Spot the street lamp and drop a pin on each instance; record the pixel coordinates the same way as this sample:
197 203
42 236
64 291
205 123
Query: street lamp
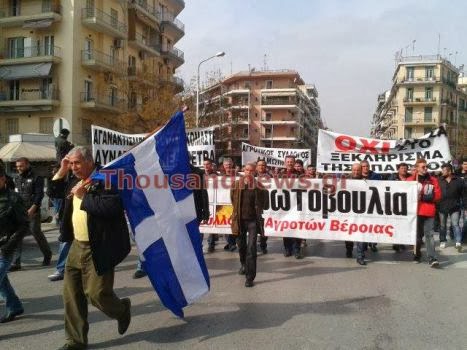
219 54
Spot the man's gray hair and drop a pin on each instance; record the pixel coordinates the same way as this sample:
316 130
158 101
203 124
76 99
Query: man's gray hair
84 151
252 164
227 160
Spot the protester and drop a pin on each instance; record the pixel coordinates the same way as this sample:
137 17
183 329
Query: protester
13 227
298 166
291 245
401 175
94 221
10 184
452 188
209 170
31 189
429 193
228 169
310 172
62 145
361 246
463 176
368 174
247 197
262 172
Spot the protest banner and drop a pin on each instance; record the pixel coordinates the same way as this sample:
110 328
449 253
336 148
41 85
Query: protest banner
200 145
331 209
274 157
108 144
337 152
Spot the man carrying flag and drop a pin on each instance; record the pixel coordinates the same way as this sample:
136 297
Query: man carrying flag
163 218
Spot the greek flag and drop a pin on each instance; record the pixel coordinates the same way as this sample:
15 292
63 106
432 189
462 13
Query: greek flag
163 218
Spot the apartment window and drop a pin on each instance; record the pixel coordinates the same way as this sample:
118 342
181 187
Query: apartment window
408 114
408 133
88 44
429 73
409 94
49 45
268 116
267 131
428 114
46 125
46 88
15 8
268 84
410 73
12 126
47 5
13 90
113 96
16 47
247 85
113 54
88 91
114 17
245 133
429 94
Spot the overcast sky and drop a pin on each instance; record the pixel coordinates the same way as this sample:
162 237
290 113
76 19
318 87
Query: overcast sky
345 47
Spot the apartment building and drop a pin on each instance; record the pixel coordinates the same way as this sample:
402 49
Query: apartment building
427 91
264 108
85 61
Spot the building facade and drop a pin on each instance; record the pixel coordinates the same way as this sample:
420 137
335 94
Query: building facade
427 91
86 61
263 108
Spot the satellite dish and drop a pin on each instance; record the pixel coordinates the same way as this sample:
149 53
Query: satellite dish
59 124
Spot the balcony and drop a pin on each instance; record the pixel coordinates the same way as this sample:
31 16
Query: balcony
34 54
103 102
178 83
279 103
102 22
419 121
100 62
178 5
270 137
237 92
278 92
417 101
286 121
29 100
175 55
32 14
172 26
145 12
151 47
141 76
419 80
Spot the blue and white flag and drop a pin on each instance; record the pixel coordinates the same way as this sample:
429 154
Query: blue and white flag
163 218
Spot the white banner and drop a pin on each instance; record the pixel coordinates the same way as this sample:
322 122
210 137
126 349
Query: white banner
274 157
337 152
109 144
200 145
332 209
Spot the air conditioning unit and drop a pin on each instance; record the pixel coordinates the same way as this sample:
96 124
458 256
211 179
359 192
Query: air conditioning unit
118 43
142 55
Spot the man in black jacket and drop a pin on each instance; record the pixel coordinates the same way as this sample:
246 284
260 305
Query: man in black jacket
30 187
94 221
62 145
13 226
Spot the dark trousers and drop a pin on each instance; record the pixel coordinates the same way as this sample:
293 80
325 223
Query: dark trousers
246 242
263 242
82 284
35 230
361 247
292 245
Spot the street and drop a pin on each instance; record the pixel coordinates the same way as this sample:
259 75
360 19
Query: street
324 301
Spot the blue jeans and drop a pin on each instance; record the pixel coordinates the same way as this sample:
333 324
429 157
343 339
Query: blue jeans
62 255
443 218
12 302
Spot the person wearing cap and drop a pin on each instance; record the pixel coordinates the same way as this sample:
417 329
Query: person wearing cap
62 145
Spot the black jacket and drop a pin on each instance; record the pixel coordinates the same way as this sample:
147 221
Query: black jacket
14 223
451 194
108 231
200 196
30 187
62 147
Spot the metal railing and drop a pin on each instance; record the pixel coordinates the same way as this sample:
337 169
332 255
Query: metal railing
108 99
30 95
420 99
144 40
422 120
420 79
151 10
90 12
169 17
100 58
33 51
278 101
28 9
428 59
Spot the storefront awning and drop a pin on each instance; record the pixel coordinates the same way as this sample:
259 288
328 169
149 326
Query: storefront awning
25 71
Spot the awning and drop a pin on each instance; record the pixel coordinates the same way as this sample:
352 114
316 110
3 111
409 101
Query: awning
25 71
43 23
35 152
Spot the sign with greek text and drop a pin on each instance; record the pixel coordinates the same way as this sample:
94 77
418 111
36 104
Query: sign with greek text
337 152
329 208
200 145
274 157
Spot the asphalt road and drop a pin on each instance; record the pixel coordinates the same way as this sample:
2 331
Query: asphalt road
324 301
